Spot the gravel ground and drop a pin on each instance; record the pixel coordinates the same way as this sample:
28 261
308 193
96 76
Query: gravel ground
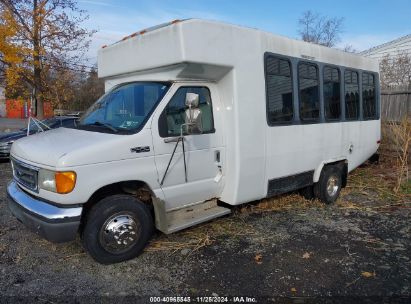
286 247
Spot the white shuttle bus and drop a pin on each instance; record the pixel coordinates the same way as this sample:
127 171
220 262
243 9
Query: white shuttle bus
197 116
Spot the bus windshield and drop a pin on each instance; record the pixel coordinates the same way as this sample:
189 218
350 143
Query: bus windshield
125 109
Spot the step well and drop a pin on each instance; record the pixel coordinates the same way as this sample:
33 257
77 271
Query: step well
172 220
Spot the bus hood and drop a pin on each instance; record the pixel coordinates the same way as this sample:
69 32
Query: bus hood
64 147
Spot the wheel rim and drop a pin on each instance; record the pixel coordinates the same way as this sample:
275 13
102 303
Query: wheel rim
119 233
332 185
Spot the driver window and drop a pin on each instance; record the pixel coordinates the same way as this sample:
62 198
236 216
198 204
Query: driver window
173 116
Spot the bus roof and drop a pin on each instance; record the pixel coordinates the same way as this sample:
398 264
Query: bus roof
212 43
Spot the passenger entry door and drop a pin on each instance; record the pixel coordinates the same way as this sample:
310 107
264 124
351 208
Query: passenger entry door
204 152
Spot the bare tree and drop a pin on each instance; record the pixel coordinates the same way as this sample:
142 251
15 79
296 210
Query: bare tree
43 35
349 49
395 70
319 29
89 91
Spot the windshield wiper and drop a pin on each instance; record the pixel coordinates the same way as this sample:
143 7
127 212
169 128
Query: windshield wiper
104 124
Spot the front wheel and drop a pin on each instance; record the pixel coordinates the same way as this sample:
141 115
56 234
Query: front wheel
328 187
117 229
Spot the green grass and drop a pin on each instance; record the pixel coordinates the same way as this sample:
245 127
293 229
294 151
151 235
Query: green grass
406 188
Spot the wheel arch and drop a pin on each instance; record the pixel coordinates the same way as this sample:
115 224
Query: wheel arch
137 188
342 163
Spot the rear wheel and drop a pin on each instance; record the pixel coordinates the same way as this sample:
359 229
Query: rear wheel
328 187
117 229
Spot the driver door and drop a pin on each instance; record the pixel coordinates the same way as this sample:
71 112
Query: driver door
204 152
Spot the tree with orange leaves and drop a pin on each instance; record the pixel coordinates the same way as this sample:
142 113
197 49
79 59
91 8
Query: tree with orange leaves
39 38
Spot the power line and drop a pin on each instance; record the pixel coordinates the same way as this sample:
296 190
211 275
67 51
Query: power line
68 66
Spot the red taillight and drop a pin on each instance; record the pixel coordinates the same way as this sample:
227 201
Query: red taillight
379 141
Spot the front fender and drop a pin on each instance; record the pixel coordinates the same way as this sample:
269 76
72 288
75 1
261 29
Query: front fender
93 177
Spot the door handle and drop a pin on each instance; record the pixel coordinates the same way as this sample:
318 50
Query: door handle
171 139
217 156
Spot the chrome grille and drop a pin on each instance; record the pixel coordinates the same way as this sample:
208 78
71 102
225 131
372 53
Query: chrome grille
25 174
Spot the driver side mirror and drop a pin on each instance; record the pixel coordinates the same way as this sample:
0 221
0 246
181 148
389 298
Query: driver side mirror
192 100
193 114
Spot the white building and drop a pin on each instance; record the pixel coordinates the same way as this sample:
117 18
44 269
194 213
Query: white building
395 47
396 104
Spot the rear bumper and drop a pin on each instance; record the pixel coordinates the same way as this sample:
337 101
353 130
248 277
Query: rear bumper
53 223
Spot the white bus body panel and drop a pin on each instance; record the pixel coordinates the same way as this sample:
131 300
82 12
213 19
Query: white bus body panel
233 57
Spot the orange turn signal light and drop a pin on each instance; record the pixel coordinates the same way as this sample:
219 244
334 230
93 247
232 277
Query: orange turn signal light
65 181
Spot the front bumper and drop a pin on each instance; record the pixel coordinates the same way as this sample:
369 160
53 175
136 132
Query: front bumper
56 224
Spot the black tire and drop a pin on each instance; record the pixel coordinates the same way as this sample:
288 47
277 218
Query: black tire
307 192
329 174
123 214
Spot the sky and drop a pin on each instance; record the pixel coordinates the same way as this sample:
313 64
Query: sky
367 23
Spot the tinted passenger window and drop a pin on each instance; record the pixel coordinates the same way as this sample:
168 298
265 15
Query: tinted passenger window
368 96
309 92
279 90
174 115
352 96
332 104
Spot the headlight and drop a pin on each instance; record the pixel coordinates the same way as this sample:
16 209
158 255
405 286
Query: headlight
59 182
47 180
